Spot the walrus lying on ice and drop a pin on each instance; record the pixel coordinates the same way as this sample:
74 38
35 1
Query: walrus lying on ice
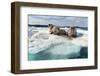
71 32
56 30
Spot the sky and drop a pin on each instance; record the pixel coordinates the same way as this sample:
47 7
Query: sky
58 20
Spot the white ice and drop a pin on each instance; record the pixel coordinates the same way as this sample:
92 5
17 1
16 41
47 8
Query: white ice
41 40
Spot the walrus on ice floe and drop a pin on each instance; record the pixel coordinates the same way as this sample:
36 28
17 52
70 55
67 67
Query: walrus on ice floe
56 30
72 32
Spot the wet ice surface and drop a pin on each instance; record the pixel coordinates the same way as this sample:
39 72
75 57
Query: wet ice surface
44 46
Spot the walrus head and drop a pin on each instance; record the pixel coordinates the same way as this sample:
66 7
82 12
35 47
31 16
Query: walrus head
50 26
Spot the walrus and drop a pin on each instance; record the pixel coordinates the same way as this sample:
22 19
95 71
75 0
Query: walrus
56 30
72 33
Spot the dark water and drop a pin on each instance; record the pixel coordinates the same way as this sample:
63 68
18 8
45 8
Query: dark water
83 28
44 55
83 53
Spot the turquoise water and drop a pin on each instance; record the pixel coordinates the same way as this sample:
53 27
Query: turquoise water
62 51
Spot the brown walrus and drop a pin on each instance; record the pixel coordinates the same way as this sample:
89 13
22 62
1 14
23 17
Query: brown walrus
72 33
56 30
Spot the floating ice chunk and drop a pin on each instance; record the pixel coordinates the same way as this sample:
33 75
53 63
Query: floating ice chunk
42 40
